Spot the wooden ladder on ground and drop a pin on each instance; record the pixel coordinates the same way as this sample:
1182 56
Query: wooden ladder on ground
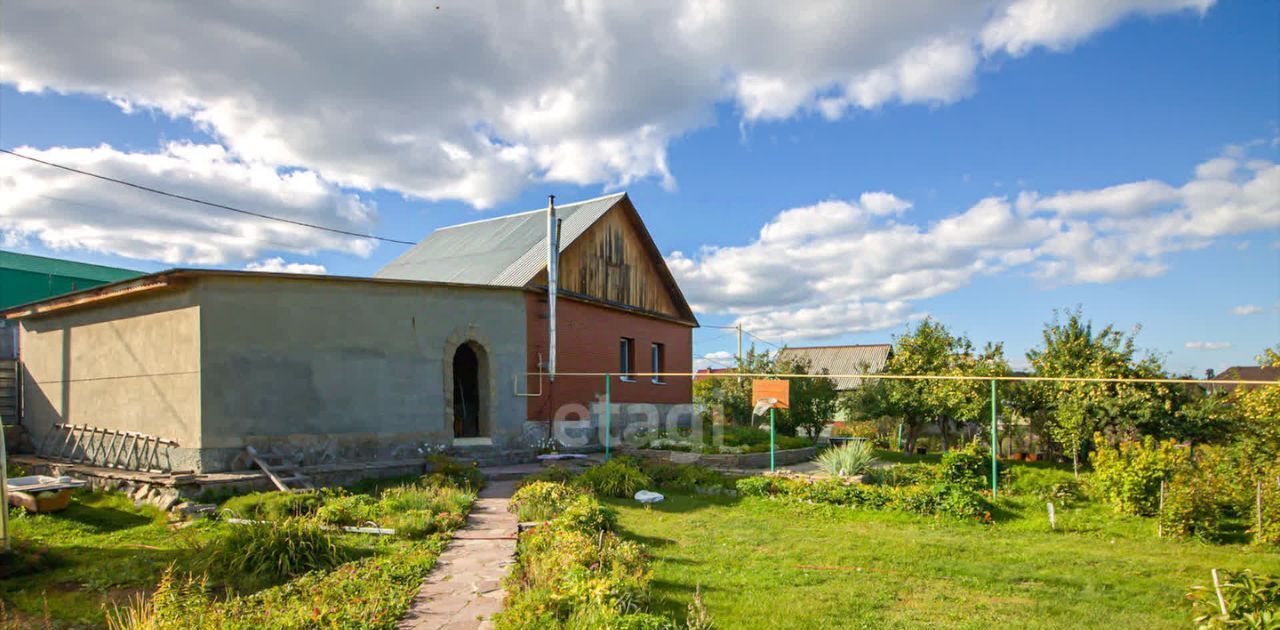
108 448
280 472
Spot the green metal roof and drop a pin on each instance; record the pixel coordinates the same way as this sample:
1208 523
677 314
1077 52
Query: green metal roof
64 268
25 278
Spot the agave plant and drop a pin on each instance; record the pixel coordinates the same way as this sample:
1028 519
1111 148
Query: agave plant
850 459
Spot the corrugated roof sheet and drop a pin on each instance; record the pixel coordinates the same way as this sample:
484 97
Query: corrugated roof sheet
65 268
502 251
860 359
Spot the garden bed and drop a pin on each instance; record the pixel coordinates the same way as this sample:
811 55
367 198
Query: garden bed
785 457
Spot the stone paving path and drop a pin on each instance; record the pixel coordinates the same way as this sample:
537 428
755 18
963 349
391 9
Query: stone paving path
464 589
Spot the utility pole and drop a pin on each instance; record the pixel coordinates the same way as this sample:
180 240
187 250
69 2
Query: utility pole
739 327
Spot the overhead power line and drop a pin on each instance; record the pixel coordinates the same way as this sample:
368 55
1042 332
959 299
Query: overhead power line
207 203
762 340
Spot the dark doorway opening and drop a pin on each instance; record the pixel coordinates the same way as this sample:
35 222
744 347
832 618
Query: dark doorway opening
466 392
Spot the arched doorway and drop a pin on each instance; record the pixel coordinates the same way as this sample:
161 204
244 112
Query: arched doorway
467 403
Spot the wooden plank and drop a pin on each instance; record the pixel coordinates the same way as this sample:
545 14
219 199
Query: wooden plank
280 485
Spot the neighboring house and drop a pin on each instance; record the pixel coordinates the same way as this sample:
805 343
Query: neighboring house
25 278
1243 373
855 359
852 359
708 373
444 346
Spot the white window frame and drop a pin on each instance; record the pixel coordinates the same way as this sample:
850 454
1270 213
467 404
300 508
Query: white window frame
626 358
657 357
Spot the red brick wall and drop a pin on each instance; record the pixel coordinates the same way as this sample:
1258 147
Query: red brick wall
587 339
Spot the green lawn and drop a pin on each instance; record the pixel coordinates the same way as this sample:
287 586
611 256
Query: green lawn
767 564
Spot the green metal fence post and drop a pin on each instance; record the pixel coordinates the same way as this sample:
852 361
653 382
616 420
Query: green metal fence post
608 415
995 443
772 467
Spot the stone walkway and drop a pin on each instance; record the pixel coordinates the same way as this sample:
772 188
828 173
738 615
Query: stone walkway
464 590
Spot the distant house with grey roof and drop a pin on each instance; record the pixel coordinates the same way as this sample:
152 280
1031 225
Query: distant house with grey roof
850 359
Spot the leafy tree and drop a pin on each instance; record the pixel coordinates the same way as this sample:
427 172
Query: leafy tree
1258 413
1072 348
929 349
813 400
731 396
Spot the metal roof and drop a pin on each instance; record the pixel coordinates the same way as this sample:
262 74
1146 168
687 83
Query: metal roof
859 359
502 251
64 268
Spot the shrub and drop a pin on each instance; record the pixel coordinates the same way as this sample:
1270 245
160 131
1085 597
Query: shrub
944 499
850 459
1046 484
274 506
271 553
757 486
683 477
542 500
1129 475
1189 510
614 478
443 467
1253 601
348 509
967 466
902 474
1270 531
586 514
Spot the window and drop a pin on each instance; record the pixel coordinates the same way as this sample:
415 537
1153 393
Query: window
627 358
657 356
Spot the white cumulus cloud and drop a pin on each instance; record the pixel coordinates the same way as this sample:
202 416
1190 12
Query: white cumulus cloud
1207 345
474 100
277 264
1246 309
843 266
66 210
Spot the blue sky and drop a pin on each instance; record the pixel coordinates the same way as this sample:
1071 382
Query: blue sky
1015 112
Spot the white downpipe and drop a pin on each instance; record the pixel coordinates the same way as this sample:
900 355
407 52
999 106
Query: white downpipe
553 279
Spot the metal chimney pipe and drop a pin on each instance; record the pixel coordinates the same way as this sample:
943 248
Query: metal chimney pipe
553 279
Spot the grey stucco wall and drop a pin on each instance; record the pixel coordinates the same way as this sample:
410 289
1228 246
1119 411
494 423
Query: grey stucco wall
127 365
330 370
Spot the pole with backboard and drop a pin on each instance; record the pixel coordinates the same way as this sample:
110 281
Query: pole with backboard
771 394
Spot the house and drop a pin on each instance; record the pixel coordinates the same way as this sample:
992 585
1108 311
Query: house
854 359
1243 373
447 345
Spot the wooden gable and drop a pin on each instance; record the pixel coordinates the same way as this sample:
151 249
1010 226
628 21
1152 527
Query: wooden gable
616 262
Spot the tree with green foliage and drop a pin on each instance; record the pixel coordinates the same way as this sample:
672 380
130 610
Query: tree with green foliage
813 400
731 396
1257 412
930 349
1078 410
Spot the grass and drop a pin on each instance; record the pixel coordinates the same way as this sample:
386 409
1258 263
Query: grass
762 564
105 552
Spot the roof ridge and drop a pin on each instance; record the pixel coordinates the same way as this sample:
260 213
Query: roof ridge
524 212
832 347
